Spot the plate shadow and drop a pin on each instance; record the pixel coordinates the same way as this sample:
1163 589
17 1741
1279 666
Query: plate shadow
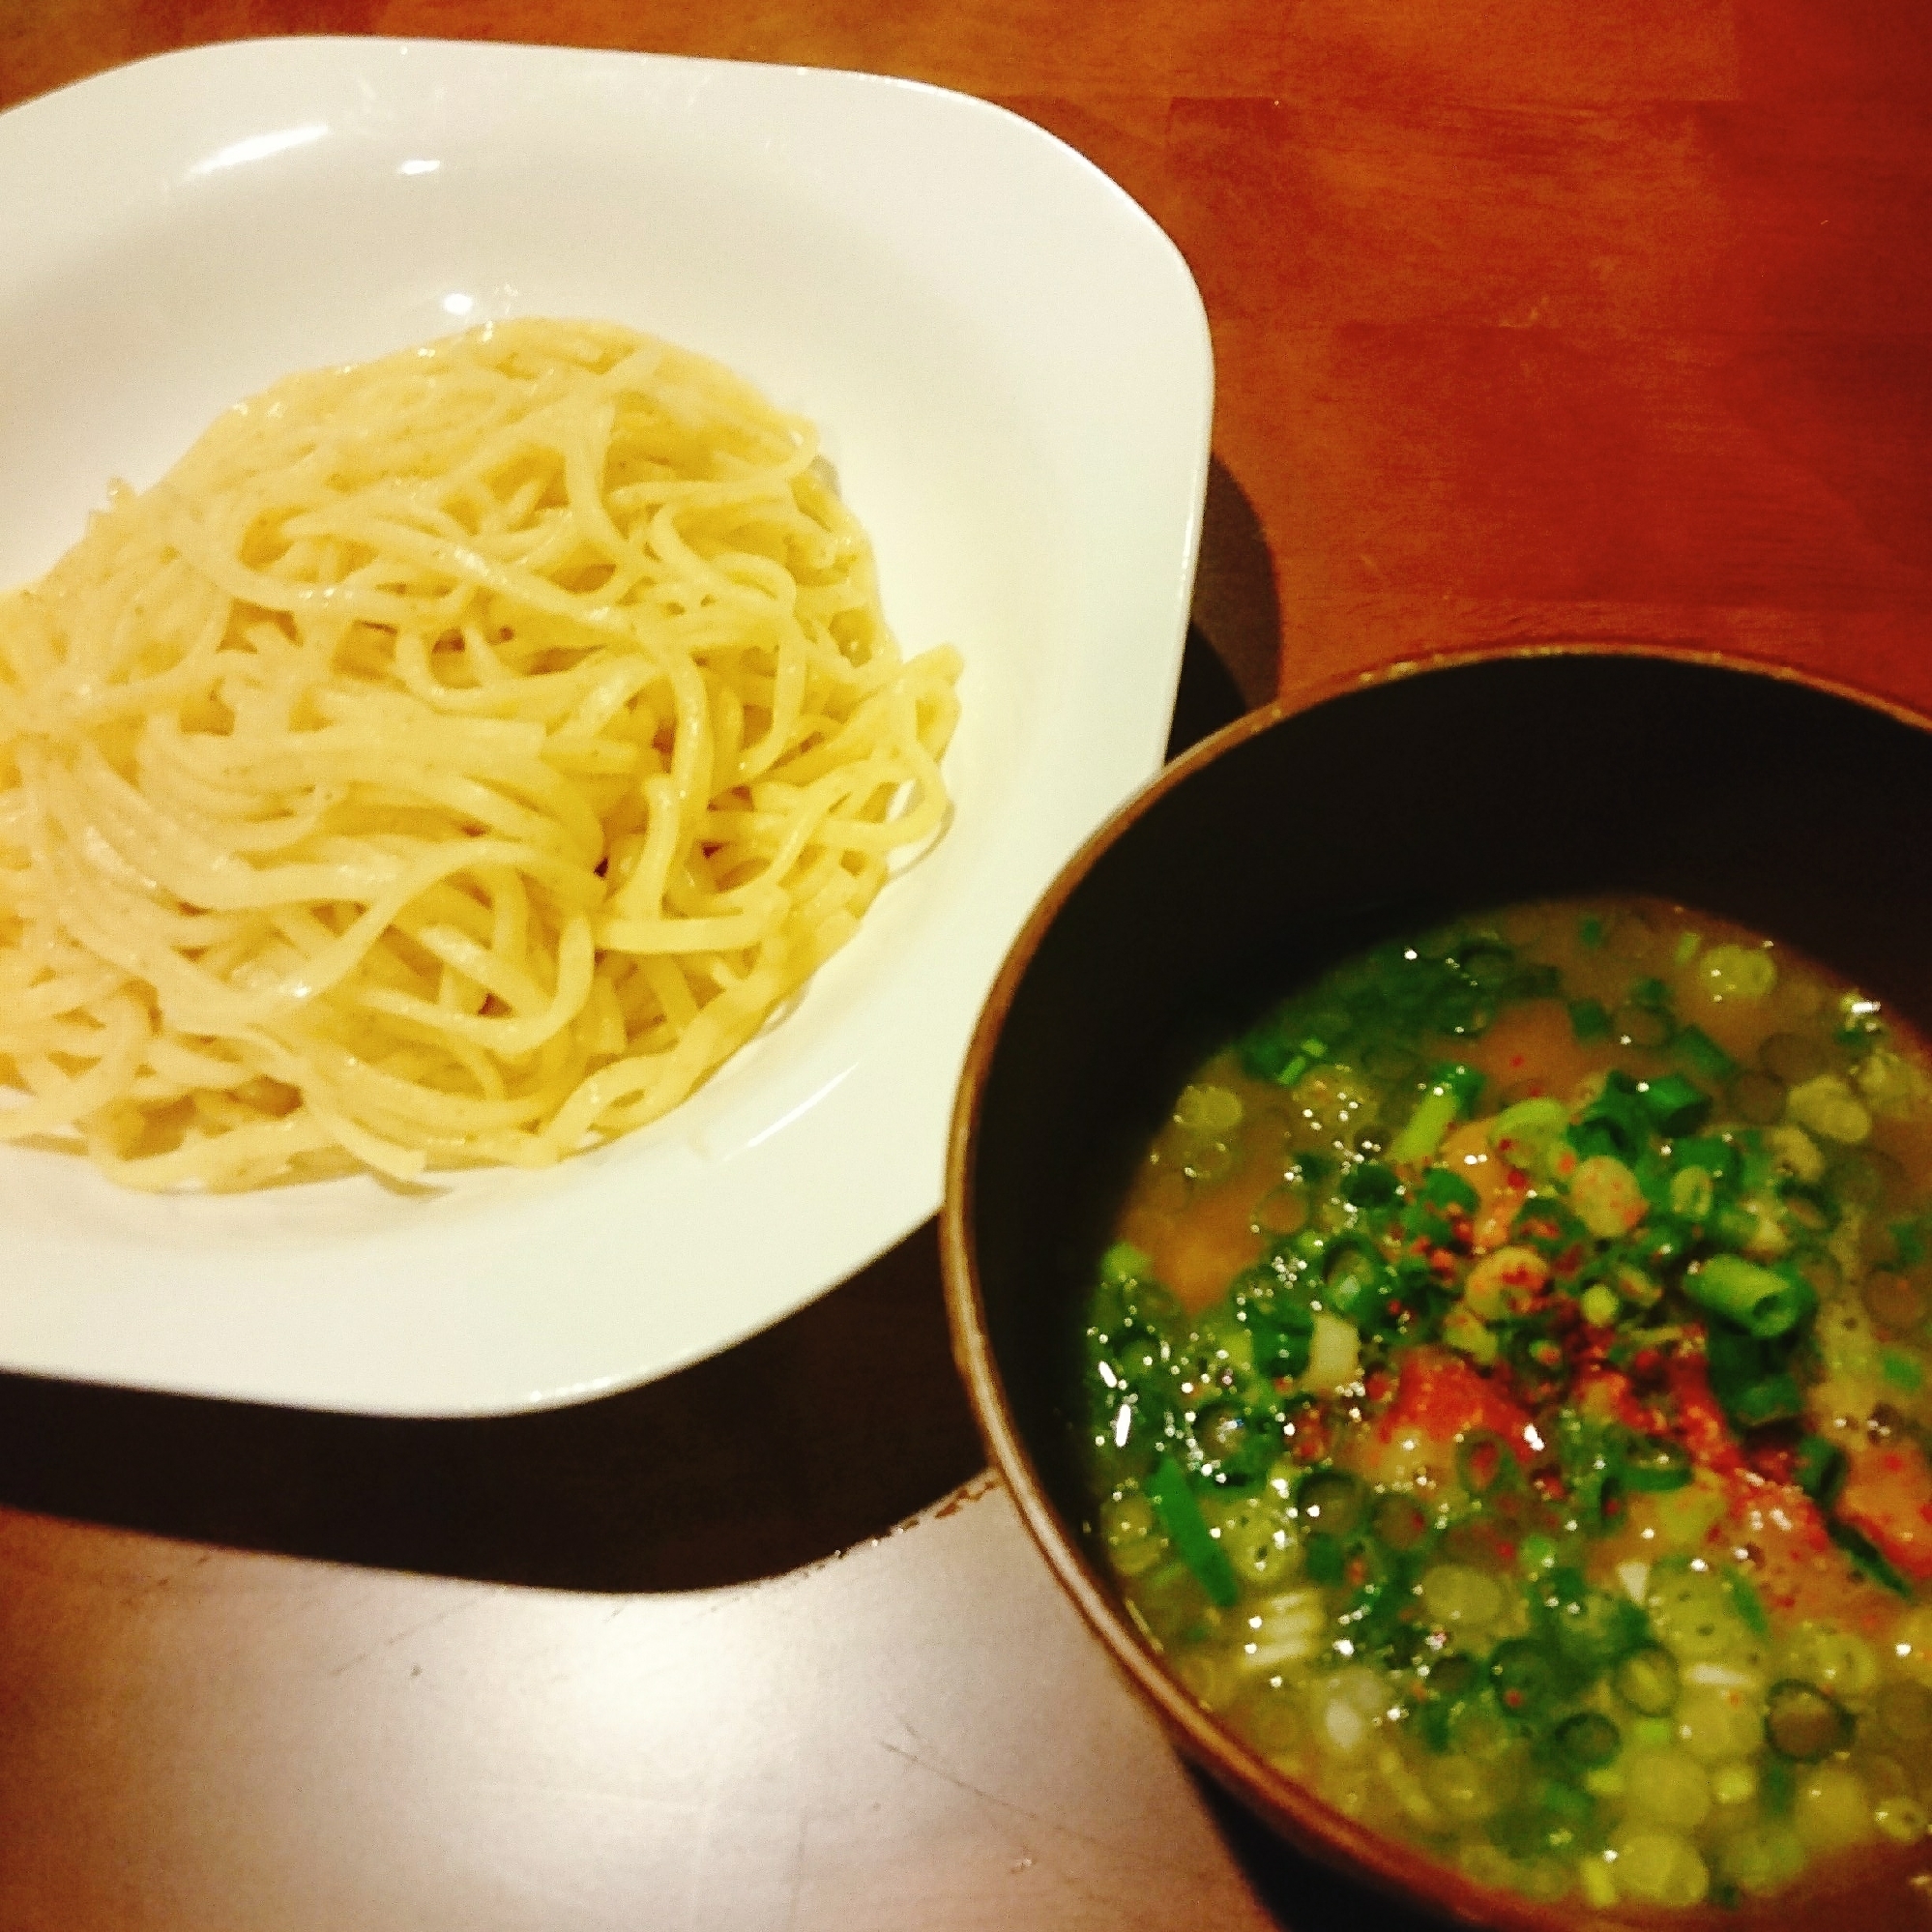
825 1429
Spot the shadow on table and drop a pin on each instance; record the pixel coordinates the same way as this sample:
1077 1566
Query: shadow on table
829 1429
1234 605
804 1440
1300 1891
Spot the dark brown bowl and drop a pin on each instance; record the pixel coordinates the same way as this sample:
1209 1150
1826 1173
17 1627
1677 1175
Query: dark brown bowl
1289 839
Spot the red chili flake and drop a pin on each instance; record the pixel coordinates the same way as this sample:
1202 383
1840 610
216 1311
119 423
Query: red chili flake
1513 1699
1701 1424
1485 1462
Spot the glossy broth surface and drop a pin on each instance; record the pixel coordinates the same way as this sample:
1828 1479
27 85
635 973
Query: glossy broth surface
1507 1403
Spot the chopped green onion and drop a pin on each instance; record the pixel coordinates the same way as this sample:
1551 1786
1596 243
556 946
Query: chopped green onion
1525 1675
1535 1553
1522 1134
1465 1082
1537 1119
1283 1337
1435 1114
1908 1239
1399 1521
1323 1557
1648 1681
1370 1186
1589 1740
1701 1054
1656 1465
1773 1398
1613 1122
1660 1244
1485 1461
1556 1822
1332 1500
1901 1369
1803 1724
1123 1263
1188 1530
1356 1280
1867 1559
1600 1305
1821 1468
1676 1104
1693 1193
1730 1224
1592 1627
1739 972
1444 1187
1762 1303
1749 1604
1589 1021
1714 1155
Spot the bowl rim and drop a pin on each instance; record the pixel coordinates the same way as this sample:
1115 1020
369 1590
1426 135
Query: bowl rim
1313 1825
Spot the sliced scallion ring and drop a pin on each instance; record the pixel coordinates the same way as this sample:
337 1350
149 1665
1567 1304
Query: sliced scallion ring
1656 1465
1803 1723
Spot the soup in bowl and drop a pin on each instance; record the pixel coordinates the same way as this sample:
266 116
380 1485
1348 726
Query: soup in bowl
1440 1238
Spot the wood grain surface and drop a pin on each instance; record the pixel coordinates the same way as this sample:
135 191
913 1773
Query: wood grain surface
1606 321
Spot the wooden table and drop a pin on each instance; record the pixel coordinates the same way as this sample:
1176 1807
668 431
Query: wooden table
1607 321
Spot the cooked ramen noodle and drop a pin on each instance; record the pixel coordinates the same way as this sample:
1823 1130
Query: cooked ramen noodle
452 760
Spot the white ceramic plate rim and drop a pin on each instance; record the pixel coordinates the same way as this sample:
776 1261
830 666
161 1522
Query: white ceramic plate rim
838 226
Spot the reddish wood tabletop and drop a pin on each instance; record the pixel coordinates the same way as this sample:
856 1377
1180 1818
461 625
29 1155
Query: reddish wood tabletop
1607 321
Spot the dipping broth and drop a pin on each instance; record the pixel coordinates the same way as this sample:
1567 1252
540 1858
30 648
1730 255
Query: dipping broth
1507 1403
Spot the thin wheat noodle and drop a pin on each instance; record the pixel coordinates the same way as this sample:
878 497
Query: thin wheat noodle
452 760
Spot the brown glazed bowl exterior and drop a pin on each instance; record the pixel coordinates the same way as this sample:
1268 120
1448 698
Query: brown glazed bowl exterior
1288 839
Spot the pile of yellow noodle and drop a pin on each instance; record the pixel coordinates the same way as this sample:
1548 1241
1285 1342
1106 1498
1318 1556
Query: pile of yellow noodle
452 760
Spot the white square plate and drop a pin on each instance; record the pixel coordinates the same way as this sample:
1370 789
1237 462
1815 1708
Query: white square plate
1011 366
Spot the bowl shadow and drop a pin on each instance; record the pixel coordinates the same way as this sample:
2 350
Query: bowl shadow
1295 1889
779 1452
